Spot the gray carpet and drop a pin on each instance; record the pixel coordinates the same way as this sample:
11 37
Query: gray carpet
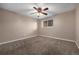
39 46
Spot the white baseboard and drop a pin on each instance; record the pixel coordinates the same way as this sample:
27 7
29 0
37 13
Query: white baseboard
17 39
62 39
58 38
77 44
39 35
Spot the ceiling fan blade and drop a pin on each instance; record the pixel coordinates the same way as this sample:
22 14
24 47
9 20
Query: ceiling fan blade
45 9
35 8
44 13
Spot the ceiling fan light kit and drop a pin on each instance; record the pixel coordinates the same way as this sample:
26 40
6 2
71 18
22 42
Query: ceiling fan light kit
40 11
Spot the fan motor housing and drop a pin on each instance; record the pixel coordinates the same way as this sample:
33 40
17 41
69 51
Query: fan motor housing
39 10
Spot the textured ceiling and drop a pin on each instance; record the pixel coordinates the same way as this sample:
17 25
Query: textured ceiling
27 8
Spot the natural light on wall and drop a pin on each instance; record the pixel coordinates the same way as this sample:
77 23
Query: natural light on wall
35 26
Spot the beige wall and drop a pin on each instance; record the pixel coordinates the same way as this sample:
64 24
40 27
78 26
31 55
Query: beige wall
63 27
14 26
77 26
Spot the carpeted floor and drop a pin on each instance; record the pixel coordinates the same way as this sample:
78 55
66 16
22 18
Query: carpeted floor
39 46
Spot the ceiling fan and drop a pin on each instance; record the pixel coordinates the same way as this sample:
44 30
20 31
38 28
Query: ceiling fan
41 11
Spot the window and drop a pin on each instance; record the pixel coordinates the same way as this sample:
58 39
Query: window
48 23
45 23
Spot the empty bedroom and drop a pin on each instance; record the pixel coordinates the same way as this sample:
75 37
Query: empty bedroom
39 29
